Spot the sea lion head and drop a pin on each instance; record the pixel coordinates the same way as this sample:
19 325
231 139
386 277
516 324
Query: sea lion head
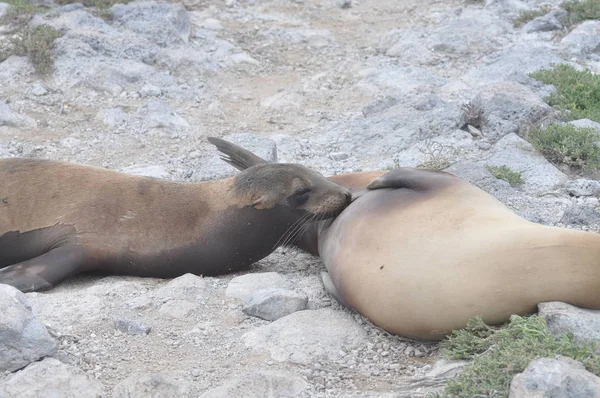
293 188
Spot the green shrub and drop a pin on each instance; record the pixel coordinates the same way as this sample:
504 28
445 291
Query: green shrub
577 92
580 10
568 144
498 354
20 11
36 43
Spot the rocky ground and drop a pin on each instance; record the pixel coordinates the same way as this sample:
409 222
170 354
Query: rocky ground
337 85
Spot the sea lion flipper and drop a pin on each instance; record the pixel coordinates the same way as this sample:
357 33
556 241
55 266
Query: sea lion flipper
235 155
45 271
410 178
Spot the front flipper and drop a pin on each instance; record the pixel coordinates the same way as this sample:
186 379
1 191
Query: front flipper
412 178
45 271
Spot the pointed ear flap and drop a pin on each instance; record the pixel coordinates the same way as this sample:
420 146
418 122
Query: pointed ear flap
265 201
259 203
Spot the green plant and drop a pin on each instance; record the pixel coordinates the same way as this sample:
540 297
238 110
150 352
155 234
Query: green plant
95 3
498 354
514 178
577 92
20 11
525 16
36 43
568 144
580 10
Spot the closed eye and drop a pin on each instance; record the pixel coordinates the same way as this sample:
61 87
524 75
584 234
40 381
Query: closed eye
301 196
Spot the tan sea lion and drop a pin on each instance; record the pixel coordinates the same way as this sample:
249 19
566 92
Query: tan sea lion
420 252
59 219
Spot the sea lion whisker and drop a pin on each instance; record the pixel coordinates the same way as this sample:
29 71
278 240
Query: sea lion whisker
287 231
300 230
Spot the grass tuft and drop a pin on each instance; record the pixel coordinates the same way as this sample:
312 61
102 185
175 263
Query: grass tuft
498 354
505 173
575 146
526 16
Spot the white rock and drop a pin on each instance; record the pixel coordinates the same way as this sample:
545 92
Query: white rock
111 117
177 308
186 287
51 378
308 336
259 384
241 287
149 385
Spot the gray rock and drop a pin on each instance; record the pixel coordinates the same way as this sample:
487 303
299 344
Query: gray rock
343 4
150 90
51 378
583 187
478 175
259 384
379 105
407 45
15 70
585 123
186 287
467 35
177 309
539 176
23 339
243 286
272 304
562 318
155 171
555 377
581 215
161 22
38 89
551 21
525 59
149 385
157 113
583 40
308 336
133 327
506 107
12 119
112 117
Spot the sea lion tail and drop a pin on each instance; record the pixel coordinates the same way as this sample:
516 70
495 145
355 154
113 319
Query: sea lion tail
235 155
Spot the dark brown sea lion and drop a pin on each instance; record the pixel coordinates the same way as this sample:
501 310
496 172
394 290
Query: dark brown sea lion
59 219
420 252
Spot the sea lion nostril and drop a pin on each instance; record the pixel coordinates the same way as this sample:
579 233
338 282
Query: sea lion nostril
348 197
